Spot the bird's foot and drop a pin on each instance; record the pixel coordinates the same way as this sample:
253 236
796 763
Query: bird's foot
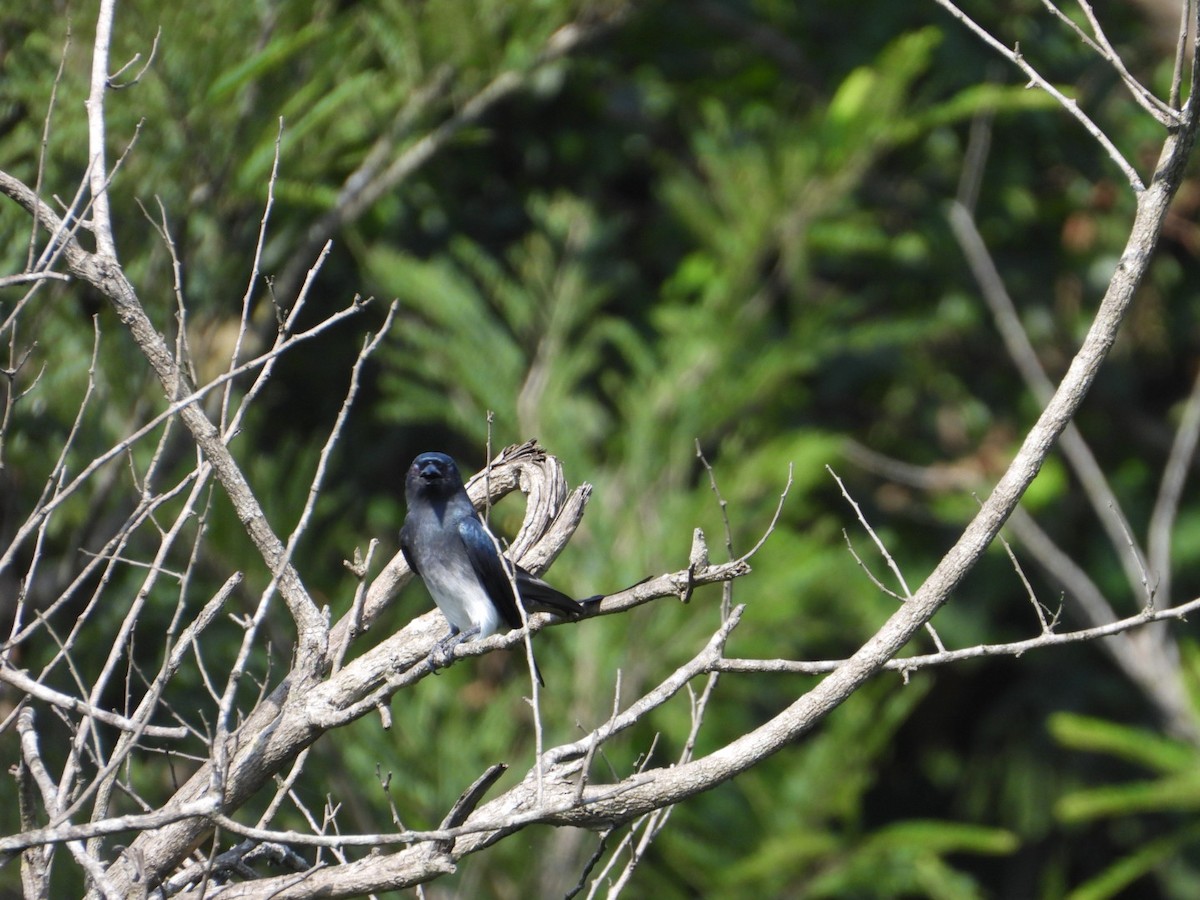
442 653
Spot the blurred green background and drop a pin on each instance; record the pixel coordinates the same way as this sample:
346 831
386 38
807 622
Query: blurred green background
714 223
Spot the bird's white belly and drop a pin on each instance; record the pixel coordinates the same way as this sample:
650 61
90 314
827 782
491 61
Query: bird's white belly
462 600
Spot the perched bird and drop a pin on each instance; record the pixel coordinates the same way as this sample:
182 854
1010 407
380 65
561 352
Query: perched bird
447 544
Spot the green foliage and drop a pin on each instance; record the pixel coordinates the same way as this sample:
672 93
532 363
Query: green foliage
535 318
1172 793
1135 745
799 829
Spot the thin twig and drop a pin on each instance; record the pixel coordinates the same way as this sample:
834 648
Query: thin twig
360 569
134 60
1101 46
1170 492
252 280
1181 48
1035 79
60 496
1038 609
883 550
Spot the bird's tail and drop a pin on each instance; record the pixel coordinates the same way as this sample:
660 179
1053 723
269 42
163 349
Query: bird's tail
541 597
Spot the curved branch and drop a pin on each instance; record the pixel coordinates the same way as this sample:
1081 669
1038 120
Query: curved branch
552 513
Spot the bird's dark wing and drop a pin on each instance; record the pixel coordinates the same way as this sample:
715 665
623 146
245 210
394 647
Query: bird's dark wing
406 546
485 560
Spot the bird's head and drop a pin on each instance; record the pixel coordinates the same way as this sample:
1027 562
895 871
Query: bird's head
432 475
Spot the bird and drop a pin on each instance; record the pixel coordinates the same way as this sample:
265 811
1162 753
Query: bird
446 543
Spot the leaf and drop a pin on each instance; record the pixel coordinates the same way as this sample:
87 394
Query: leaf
272 56
1165 794
941 837
1141 862
1136 745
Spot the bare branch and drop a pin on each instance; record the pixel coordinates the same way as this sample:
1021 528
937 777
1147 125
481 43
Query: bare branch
1186 12
62 833
31 758
97 169
22 682
1170 491
1149 662
27 277
1020 350
252 281
927 660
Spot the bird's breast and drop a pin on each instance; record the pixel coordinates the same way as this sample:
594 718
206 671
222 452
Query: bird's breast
461 597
